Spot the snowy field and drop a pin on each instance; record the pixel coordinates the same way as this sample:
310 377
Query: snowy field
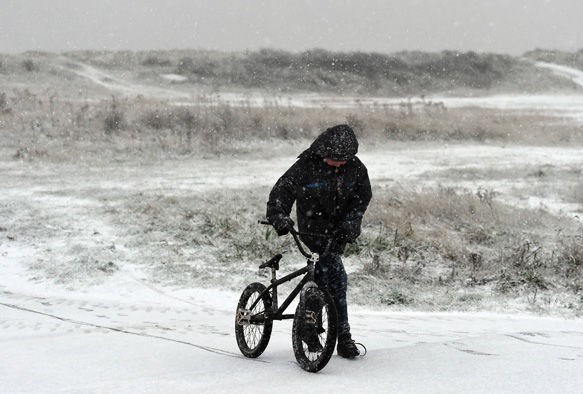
169 88
129 337
124 329
131 332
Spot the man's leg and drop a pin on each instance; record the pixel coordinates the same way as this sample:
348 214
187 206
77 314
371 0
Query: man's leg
330 273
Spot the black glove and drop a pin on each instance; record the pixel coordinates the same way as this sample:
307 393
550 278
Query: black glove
347 232
283 225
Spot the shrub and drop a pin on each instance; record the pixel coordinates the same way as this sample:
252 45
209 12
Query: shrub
525 266
569 261
114 118
156 61
3 102
157 119
185 65
396 297
29 65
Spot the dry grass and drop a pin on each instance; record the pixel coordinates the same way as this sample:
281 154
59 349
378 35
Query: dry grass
67 130
430 250
446 239
440 249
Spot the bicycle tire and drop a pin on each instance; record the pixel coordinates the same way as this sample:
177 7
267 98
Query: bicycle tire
328 318
252 338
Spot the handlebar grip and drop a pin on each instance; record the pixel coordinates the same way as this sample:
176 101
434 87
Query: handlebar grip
292 230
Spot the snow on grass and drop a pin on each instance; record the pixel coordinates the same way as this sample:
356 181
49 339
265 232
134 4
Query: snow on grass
174 77
123 276
192 222
570 106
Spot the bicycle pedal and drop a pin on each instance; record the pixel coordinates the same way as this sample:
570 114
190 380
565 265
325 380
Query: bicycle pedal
243 317
311 317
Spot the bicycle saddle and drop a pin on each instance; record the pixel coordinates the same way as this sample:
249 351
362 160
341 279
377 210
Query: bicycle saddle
272 262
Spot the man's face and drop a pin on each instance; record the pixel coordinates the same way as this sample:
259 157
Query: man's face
335 163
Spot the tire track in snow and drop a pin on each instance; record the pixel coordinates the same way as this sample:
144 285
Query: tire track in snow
542 343
124 331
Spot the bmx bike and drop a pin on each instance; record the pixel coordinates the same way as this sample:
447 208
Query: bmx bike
314 321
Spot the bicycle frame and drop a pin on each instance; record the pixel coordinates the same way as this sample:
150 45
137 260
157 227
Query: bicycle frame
277 312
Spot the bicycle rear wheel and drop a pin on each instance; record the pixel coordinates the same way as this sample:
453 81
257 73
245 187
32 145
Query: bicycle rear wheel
314 328
252 327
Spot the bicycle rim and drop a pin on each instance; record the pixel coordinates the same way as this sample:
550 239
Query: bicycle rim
252 337
326 326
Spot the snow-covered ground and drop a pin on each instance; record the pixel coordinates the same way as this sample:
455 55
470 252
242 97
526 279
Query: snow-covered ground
129 332
131 337
564 71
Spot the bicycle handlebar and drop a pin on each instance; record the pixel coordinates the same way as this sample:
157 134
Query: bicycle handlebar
295 234
300 232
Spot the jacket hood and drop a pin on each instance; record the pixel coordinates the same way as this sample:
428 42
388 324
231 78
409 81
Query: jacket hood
337 143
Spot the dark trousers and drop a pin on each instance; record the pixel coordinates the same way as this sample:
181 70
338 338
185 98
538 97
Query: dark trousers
329 273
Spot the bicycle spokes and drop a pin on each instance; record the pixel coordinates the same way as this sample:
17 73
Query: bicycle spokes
315 324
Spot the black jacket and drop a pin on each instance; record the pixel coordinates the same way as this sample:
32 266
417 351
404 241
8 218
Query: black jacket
327 198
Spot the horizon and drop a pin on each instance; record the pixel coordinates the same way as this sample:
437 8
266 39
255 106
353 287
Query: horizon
293 52
495 26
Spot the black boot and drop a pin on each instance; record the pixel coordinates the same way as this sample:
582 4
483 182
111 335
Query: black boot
346 347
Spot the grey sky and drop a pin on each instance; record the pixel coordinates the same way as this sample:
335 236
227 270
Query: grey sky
506 26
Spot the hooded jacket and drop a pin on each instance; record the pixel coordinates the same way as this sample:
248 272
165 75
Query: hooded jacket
327 198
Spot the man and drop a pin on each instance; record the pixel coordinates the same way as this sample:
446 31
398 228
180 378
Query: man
331 189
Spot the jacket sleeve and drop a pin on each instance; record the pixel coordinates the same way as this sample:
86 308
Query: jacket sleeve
283 194
362 195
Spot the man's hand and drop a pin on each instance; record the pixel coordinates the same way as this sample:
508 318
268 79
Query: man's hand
283 225
347 232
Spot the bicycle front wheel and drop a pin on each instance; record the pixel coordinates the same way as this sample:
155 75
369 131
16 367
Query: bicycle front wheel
314 328
252 326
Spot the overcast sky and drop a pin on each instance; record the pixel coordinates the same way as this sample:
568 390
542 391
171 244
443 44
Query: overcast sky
505 26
